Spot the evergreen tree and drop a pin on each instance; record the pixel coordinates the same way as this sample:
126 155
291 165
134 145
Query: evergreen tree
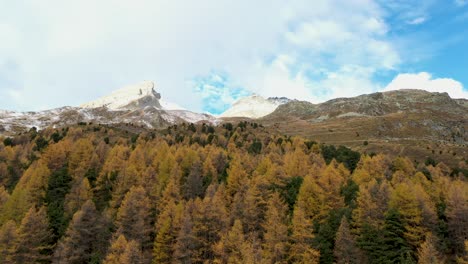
57 189
394 247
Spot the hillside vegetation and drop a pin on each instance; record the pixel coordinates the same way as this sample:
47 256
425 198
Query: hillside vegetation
234 193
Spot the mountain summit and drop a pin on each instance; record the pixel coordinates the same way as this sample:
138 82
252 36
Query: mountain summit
133 97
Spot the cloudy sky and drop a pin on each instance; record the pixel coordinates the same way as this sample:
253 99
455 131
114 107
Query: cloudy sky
205 54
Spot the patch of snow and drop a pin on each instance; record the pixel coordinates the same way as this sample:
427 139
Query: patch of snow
253 106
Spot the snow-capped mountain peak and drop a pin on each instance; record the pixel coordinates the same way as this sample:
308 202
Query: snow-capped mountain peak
129 97
253 106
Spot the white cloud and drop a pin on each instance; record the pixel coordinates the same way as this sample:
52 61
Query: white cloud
69 53
424 81
417 21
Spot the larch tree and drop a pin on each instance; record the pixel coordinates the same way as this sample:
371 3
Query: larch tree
56 155
230 247
83 239
124 252
4 196
209 220
80 157
254 206
186 242
33 243
346 250
167 227
30 191
302 239
372 203
457 212
171 193
193 185
8 235
165 172
237 177
311 199
114 165
275 244
428 253
80 192
124 181
295 163
134 217
404 200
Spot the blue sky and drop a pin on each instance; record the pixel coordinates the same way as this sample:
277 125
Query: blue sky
205 54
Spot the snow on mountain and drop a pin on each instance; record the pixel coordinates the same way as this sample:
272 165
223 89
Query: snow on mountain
254 106
128 97
133 97
137 104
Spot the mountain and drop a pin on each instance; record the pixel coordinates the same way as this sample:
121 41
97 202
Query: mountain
414 123
133 97
137 104
254 106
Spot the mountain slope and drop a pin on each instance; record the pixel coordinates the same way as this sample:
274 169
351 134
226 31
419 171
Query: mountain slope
415 123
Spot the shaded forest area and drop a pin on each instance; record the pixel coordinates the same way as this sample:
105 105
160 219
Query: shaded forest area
234 193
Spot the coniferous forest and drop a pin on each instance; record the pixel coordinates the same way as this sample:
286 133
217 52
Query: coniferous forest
233 193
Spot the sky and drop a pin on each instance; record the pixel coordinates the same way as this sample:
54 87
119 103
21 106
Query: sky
205 54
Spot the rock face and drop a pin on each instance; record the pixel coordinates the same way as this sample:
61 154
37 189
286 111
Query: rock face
254 106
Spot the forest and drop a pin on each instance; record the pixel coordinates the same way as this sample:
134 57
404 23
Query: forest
233 193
